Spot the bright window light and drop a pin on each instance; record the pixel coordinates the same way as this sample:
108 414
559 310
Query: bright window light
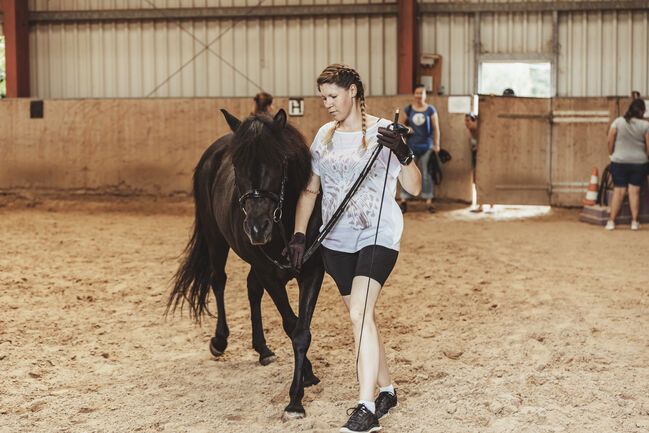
526 79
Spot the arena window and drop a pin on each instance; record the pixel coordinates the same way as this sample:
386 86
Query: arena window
524 78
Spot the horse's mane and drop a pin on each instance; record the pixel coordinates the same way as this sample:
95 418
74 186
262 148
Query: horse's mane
260 140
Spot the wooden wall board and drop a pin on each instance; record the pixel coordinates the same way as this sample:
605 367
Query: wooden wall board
579 143
150 146
514 150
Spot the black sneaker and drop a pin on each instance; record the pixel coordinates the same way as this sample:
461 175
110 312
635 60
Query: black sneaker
362 420
404 207
384 402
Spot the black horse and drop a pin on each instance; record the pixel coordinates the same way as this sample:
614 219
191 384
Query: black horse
246 187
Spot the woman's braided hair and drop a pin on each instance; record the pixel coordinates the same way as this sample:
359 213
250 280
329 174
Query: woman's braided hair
344 76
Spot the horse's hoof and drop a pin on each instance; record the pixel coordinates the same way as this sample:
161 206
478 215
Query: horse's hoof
267 359
290 415
310 380
216 349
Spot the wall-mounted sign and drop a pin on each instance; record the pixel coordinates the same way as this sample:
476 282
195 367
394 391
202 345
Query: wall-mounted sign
296 107
459 104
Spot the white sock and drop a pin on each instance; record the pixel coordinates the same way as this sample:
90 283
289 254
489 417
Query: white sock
388 388
368 404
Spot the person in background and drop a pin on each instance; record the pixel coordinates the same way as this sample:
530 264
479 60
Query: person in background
359 252
263 103
628 145
635 94
471 123
423 126
509 92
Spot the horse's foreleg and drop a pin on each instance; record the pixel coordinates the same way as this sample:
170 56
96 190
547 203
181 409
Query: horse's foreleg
219 342
310 281
255 293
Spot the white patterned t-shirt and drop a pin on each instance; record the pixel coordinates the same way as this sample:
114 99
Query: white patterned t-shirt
339 163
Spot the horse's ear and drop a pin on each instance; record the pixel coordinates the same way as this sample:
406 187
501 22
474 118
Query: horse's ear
232 121
280 118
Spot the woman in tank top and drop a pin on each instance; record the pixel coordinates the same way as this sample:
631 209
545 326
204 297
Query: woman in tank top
357 262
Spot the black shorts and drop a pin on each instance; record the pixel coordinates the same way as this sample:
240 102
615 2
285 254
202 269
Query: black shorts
625 174
343 267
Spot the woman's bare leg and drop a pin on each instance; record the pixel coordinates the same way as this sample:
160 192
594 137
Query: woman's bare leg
634 201
618 197
372 353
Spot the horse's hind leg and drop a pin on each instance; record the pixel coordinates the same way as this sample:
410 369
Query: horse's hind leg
219 255
255 293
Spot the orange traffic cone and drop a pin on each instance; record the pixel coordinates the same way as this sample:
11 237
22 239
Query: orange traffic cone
593 187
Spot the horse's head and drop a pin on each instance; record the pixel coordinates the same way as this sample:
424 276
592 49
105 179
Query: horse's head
260 170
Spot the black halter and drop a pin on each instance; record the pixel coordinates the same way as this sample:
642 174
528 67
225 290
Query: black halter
256 193
260 193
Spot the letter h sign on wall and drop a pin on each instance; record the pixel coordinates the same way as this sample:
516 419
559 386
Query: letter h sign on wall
296 107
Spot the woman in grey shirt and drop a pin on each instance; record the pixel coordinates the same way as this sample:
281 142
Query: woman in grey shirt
628 145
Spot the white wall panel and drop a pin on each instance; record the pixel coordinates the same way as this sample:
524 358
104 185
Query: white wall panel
521 32
603 53
71 5
282 56
451 36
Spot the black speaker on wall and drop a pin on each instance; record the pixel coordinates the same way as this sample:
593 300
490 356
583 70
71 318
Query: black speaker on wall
36 109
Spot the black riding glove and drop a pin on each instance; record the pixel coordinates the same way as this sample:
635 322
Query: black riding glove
297 246
395 142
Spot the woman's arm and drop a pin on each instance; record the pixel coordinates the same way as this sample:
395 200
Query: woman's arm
306 203
410 178
436 144
611 140
646 141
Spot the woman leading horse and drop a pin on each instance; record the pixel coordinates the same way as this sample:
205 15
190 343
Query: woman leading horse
361 250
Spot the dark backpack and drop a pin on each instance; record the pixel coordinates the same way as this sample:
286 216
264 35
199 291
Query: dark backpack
604 185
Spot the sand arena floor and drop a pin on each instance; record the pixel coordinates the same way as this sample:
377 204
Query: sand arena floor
506 322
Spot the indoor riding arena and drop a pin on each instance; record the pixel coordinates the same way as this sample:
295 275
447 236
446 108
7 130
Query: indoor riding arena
511 309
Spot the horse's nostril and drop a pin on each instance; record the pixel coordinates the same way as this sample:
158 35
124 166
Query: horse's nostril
265 226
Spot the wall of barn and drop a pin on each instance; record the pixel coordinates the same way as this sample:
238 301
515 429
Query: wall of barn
150 146
168 58
601 53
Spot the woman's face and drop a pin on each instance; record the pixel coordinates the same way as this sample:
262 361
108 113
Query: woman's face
338 101
419 95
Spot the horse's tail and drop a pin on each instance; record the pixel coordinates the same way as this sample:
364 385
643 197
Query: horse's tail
193 279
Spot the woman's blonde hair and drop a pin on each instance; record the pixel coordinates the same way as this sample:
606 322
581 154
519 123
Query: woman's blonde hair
344 76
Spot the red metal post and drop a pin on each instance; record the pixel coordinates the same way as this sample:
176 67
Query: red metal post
407 45
16 32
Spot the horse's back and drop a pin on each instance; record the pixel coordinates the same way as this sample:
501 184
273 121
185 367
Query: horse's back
213 156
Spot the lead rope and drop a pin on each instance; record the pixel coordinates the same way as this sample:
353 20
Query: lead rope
376 236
